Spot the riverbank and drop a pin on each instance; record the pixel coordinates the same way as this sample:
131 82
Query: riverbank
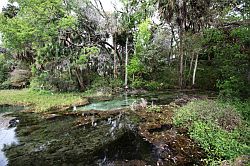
192 129
75 137
40 102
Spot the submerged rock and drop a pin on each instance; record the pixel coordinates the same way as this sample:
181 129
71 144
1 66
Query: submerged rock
13 122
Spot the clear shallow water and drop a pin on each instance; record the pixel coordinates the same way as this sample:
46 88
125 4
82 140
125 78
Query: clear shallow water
125 101
7 135
108 105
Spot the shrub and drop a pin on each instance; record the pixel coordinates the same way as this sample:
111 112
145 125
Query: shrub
3 69
217 127
153 85
138 83
216 141
104 85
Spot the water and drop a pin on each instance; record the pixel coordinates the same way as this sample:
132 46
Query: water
124 101
108 105
7 135
112 141
102 138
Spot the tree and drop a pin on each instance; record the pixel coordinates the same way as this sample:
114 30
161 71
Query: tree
130 17
194 16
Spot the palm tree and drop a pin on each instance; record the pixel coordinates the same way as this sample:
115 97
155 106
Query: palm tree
176 11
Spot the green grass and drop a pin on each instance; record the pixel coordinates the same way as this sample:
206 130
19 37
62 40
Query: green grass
218 127
41 101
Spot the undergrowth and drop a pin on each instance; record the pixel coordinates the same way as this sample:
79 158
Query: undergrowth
219 128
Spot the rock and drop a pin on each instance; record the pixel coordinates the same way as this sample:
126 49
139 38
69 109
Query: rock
13 122
20 78
139 105
242 161
83 102
51 116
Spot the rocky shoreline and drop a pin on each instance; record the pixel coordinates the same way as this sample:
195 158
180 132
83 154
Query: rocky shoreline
63 136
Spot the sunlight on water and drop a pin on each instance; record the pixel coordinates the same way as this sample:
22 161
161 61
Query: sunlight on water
7 137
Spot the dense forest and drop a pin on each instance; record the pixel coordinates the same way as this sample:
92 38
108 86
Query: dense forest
64 47
76 45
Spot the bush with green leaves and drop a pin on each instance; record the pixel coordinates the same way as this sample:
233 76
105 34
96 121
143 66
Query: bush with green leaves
138 83
5 64
101 84
217 127
229 51
3 69
47 81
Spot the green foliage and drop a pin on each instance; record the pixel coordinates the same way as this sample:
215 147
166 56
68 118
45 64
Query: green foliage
100 84
228 50
143 37
58 81
5 65
229 89
135 66
207 76
243 107
213 36
3 69
85 53
153 85
135 12
33 24
154 108
67 22
138 83
39 83
219 143
115 83
217 127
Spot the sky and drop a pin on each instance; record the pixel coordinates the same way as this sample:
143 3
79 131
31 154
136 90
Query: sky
3 3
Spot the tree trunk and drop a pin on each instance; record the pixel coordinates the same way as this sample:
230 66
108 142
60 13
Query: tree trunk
184 69
190 67
126 64
115 49
80 79
195 69
181 59
171 46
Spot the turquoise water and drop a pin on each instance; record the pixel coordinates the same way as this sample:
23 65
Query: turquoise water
124 101
108 105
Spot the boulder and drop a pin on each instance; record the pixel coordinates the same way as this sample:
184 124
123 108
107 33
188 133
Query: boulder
20 78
